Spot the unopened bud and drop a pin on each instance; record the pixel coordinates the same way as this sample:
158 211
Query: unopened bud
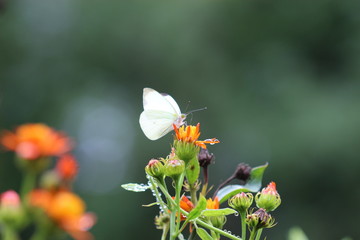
162 221
218 221
268 199
241 202
205 158
242 172
155 168
174 168
11 212
260 219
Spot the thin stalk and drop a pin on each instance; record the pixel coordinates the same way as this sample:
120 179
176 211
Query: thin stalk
28 183
193 194
217 230
178 187
243 224
259 234
172 222
253 234
192 234
157 194
165 232
223 184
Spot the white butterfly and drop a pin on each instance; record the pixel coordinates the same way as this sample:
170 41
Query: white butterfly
160 113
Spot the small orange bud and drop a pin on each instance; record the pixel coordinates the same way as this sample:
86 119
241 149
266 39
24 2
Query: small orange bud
67 167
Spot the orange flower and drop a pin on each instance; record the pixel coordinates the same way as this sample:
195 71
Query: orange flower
67 210
191 134
35 140
186 205
212 204
67 167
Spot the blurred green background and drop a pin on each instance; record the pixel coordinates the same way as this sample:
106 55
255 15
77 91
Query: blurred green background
280 80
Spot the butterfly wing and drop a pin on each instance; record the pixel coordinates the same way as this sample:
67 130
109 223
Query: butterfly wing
160 113
152 100
156 124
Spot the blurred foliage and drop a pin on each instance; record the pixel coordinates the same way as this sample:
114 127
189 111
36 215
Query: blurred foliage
280 80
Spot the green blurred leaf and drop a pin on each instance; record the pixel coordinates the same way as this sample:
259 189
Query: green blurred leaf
196 212
203 234
253 185
134 187
192 170
296 233
218 212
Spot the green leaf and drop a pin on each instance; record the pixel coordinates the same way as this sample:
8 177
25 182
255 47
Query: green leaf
196 212
296 233
151 204
218 212
192 170
134 187
203 234
253 185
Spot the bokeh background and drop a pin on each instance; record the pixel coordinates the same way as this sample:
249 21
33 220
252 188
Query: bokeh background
280 80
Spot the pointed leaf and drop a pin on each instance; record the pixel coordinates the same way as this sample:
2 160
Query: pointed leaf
218 212
192 170
196 212
203 234
253 185
134 187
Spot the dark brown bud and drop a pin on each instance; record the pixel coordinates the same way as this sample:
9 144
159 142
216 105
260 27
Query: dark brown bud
205 158
242 172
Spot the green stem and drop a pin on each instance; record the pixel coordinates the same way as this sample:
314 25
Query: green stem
193 194
253 234
9 233
243 224
192 234
259 234
157 194
165 232
178 188
217 230
28 183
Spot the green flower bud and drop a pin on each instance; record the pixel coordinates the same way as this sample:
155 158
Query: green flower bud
11 211
186 150
218 221
260 219
174 168
241 202
162 221
155 168
268 199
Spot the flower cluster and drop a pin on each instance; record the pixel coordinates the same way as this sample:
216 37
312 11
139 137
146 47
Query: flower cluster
49 202
189 207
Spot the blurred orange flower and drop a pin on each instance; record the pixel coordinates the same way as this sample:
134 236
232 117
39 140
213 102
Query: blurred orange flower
35 140
186 205
191 134
67 210
212 204
67 167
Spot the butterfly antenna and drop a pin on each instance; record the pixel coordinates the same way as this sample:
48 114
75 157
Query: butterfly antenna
196 110
187 105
